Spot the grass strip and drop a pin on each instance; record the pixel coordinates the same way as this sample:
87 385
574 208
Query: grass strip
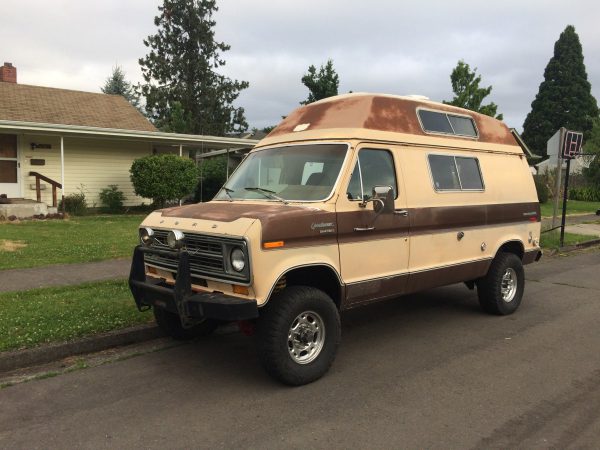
38 316
551 239
35 243
573 207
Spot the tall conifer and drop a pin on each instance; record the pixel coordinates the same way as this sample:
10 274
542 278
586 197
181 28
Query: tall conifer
564 98
180 72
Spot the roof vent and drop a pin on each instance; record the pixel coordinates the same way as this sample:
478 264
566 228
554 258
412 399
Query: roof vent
417 97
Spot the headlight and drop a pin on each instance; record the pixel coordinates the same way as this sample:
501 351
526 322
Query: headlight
146 236
238 259
175 239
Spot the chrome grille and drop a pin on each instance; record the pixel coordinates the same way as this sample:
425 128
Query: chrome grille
207 256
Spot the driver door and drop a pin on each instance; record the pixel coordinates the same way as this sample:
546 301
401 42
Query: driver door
374 248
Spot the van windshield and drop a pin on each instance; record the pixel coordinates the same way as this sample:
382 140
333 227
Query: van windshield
290 173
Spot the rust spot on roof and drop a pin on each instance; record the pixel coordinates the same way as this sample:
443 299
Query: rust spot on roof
384 113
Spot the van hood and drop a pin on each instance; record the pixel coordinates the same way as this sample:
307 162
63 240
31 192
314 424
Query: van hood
296 225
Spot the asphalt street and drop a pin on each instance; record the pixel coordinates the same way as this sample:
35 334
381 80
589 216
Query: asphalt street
425 371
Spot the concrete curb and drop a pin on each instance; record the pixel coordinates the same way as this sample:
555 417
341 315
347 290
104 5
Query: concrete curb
47 353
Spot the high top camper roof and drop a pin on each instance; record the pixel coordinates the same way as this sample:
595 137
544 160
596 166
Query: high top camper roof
412 115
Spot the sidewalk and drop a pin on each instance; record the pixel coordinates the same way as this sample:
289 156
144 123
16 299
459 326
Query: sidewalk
63 274
571 220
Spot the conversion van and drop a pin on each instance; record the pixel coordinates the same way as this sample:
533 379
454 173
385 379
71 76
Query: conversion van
350 200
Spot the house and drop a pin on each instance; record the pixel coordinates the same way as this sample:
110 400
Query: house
55 142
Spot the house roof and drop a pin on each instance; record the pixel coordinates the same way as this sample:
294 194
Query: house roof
37 104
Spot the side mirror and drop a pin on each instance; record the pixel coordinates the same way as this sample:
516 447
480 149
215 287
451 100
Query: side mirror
383 199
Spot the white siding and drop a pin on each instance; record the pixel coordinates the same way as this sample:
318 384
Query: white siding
91 163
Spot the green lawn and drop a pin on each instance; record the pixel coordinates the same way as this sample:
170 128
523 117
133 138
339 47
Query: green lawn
552 239
573 207
33 243
37 316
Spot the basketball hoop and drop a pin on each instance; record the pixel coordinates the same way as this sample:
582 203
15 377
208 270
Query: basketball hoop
587 158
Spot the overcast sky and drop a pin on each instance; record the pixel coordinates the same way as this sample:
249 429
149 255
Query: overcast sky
385 46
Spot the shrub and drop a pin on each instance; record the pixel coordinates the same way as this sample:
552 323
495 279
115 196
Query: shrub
75 204
112 199
542 190
586 194
163 178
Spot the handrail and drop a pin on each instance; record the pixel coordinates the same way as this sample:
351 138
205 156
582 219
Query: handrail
55 184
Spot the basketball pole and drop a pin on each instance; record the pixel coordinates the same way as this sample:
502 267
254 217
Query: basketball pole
564 208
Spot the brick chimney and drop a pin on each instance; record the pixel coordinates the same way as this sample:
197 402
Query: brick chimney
8 73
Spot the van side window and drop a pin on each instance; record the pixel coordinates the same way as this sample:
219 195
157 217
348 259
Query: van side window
446 123
455 173
373 168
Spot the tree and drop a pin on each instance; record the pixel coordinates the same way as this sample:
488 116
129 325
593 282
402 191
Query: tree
116 84
564 98
321 85
177 121
181 68
163 178
468 94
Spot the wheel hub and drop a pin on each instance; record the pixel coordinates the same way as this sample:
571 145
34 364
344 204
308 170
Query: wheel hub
508 286
306 337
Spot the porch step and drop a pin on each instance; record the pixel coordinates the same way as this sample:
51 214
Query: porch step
24 210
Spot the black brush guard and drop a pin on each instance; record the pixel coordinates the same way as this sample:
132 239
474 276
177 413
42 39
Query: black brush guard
180 299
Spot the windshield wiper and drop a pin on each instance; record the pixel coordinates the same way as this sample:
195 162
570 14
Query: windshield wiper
267 193
228 192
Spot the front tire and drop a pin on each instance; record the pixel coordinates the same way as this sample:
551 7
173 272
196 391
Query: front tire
500 291
171 325
298 333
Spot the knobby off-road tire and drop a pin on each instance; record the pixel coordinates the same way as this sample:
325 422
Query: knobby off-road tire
500 292
298 333
171 325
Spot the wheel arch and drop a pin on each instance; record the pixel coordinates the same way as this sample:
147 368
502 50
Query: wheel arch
321 276
514 246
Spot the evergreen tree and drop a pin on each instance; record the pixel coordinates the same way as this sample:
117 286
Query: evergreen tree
564 98
116 84
321 85
468 94
180 77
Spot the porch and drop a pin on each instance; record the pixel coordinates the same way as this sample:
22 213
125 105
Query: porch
42 163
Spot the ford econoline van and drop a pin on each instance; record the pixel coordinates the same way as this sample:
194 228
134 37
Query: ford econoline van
350 200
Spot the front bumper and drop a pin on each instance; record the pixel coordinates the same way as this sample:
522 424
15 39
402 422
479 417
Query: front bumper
181 299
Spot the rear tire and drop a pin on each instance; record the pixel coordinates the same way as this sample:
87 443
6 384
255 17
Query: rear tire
171 325
500 291
298 333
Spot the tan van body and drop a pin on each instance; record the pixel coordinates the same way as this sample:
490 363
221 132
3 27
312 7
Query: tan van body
344 246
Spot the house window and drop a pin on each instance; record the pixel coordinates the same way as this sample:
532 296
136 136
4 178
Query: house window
446 123
455 173
373 168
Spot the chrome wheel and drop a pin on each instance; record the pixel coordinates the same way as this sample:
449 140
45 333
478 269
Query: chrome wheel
508 287
306 337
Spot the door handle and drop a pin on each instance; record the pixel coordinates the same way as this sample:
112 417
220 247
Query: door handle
364 228
401 212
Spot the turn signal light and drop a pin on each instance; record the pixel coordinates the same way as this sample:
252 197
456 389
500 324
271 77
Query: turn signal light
273 244
242 290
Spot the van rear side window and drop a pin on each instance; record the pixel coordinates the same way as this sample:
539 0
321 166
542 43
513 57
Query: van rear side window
455 173
446 123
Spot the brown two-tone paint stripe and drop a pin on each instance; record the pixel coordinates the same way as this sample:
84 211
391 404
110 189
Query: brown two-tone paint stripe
369 291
